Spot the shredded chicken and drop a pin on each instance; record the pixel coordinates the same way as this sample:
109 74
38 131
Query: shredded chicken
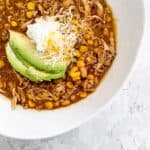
14 99
2 91
87 7
100 9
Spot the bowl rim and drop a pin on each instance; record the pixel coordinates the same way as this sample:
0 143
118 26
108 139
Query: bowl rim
86 119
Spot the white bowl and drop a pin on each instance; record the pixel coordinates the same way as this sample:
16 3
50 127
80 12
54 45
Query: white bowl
27 124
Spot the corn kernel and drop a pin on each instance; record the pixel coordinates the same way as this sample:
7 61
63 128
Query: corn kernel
69 85
109 19
90 77
73 97
96 50
31 6
75 74
83 71
77 54
55 98
2 64
76 78
74 21
80 63
107 9
83 49
49 105
31 104
14 24
65 103
57 104
6 26
74 69
90 42
83 94
106 32
29 14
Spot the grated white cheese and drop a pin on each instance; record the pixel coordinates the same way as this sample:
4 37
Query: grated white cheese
54 40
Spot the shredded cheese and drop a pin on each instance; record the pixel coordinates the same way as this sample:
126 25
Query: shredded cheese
54 38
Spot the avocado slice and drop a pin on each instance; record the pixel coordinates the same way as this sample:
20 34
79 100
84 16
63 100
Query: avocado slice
29 71
24 47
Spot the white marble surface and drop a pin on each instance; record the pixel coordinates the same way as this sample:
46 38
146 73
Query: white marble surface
125 125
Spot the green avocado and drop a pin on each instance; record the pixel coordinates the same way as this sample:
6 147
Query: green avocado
29 71
24 47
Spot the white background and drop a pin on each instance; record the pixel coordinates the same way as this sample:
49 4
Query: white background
125 125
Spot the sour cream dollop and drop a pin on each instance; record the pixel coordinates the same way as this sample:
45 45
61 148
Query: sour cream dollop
55 40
